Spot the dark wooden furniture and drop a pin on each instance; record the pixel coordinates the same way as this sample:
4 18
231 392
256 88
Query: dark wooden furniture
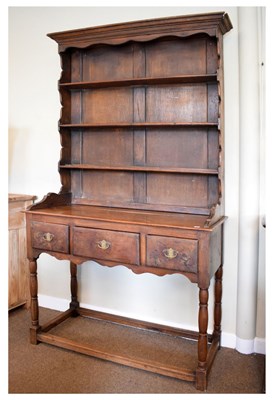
141 167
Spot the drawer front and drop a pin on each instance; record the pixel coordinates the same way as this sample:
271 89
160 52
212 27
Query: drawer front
172 253
106 245
51 237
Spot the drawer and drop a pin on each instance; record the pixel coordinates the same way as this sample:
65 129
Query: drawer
51 237
172 253
106 245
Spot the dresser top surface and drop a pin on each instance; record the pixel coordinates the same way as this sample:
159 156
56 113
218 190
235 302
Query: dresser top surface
127 216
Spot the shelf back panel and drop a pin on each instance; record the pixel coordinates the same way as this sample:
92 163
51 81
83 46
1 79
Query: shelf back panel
118 188
159 103
158 58
183 148
173 104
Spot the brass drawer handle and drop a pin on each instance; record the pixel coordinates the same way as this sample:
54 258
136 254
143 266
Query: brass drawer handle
170 253
48 237
103 244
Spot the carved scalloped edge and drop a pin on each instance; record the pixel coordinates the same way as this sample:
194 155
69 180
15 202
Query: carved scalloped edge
52 200
120 41
220 82
216 216
136 269
64 97
210 218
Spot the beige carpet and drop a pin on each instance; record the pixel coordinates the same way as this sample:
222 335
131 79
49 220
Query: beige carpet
47 369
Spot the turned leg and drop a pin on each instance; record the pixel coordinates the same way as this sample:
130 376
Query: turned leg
74 304
201 372
218 303
34 302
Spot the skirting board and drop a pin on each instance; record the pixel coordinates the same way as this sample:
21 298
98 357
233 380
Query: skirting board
244 346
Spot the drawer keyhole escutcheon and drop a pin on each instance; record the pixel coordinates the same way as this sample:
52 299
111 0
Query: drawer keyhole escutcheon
170 253
48 237
103 244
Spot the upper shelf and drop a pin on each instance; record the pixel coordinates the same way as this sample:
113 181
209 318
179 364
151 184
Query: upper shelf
141 125
138 168
140 82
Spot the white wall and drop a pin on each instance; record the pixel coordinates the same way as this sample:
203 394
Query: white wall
34 148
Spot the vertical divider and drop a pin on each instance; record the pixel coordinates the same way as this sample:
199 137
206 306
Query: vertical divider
139 115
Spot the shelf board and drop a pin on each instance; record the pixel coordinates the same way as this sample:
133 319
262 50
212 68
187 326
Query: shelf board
140 125
137 168
140 82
